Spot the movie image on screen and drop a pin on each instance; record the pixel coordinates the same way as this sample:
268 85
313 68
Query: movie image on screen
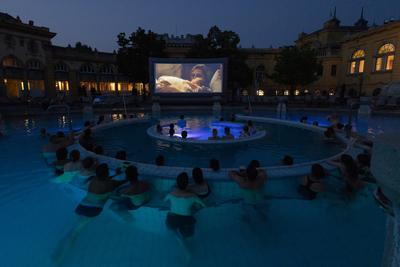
188 78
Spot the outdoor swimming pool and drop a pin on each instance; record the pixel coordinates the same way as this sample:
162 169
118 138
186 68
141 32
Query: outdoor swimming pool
36 215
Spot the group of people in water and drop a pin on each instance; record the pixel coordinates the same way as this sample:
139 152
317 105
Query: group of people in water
248 130
124 188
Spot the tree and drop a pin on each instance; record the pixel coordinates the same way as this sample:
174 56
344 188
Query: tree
83 47
296 67
218 44
134 52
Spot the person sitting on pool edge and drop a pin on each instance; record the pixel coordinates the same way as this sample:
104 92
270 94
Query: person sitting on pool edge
252 184
200 187
180 217
214 135
227 134
311 184
171 130
184 134
181 122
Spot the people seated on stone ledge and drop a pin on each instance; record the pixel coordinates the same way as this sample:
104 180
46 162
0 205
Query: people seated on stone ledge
227 134
329 134
312 184
184 135
214 135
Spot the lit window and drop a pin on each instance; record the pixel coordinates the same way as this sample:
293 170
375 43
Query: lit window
357 62
245 93
260 92
297 92
286 92
11 62
107 86
125 87
385 58
62 86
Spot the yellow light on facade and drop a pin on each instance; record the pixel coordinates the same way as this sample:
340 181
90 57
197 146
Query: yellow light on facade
22 86
297 92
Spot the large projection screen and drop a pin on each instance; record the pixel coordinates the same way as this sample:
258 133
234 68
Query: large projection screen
187 76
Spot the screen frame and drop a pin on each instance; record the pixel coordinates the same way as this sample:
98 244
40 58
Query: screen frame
153 61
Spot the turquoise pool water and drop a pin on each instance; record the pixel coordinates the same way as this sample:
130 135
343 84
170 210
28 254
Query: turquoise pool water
37 214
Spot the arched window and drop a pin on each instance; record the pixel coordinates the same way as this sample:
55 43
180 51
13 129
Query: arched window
34 64
260 92
107 69
357 62
385 57
87 68
61 67
11 62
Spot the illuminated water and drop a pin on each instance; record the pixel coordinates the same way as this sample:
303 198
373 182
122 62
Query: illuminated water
36 215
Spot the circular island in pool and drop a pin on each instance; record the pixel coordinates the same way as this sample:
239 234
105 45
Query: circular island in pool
138 137
203 135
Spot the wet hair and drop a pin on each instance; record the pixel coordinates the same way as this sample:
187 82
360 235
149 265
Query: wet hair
75 155
214 164
60 134
287 160
98 150
121 155
255 163
251 172
131 173
182 117
62 153
350 166
182 180
317 171
364 160
160 160
87 162
197 175
184 134
102 171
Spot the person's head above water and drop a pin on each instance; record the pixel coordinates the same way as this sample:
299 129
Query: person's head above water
182 117
171 126
287 160
121 155
131 174
197 175
87 163
214 132
255 163
160 160
250 123
62 153
182 180
102 172
159 128
227 130
251 173
75 155
214 165
184 134
317 171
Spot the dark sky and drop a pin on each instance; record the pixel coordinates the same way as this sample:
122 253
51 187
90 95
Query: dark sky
261 23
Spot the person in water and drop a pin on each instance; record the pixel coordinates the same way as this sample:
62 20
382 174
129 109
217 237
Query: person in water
252 184
252 128
86 139
214 165
214 135
287 160
311 184
180 218
101 187
62 159
181 122
160 160
171 130
87 170
245 132
75 164
227 134
159 129
184 134
55 143
200 187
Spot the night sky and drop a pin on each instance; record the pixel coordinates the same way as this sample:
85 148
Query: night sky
262 23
